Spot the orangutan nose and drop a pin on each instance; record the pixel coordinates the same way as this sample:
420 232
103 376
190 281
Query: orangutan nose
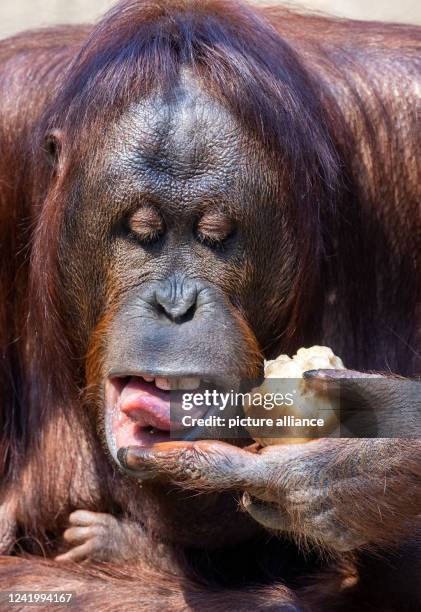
176 298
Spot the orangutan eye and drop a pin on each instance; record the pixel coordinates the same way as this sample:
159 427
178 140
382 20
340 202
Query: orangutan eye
214 228
147 224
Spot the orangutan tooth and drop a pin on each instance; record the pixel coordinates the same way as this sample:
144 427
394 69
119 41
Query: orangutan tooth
163 383
188 383
148 378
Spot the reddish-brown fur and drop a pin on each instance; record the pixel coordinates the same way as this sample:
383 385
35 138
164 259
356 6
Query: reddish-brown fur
350 143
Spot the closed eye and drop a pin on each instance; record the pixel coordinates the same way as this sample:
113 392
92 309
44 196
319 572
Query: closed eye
147 225
214 229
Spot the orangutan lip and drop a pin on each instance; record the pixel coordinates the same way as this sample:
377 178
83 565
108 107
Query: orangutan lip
137 413
137 406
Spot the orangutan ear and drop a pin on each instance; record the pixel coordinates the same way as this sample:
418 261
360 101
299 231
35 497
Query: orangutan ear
53 146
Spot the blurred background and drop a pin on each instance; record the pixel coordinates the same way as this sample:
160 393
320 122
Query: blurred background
16 15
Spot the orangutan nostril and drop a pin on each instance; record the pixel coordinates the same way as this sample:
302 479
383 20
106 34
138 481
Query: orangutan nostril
177 299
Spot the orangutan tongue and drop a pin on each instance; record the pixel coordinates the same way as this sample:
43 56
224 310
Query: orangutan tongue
145 404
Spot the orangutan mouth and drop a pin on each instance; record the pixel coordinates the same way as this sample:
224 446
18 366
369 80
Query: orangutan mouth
138 408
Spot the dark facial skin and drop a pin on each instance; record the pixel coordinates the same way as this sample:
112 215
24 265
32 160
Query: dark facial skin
181 211
185 164
165 254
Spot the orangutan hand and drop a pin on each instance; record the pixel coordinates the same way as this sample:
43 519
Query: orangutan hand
338 493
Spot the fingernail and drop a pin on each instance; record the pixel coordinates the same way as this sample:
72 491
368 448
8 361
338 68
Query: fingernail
132 460
316 374
320 381
122 456
246 500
